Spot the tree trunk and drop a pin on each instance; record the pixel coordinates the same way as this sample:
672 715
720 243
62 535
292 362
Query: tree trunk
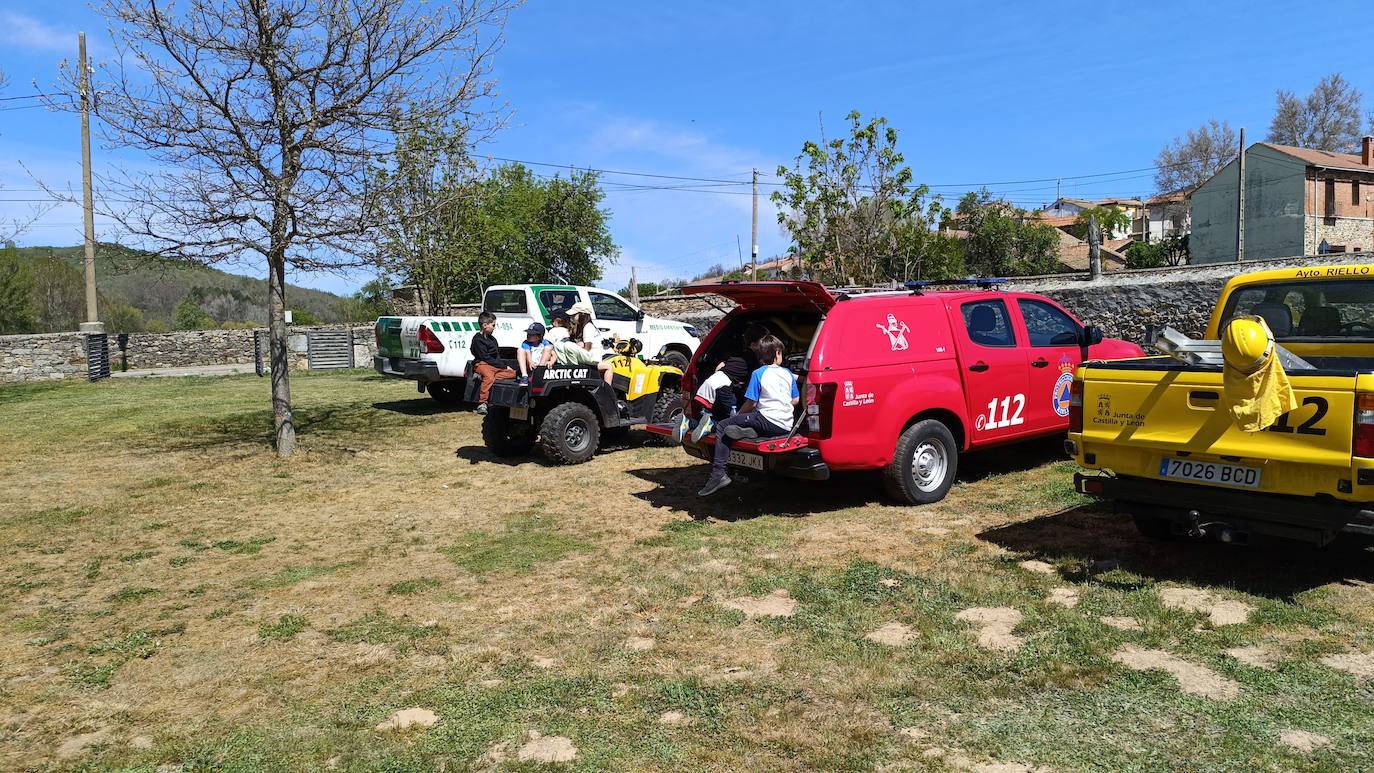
284 423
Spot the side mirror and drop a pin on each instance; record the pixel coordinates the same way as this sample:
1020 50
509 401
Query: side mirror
639 315
1090 336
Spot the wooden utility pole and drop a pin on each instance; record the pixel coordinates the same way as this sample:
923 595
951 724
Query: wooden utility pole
92 323
754 231
1094 249
1240 201
634 288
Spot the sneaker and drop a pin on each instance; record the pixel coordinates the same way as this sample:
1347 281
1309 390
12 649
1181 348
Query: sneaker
717 482
523 381
704 428
736 432
482 409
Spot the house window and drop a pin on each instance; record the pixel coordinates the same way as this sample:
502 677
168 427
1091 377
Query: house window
1330 197
1355 192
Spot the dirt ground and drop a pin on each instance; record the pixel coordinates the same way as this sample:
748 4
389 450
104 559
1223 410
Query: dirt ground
172 597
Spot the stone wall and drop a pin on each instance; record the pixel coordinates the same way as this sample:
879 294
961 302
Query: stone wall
1124 304
63 355
42 357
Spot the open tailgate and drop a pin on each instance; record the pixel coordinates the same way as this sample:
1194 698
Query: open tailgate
773 445
769 294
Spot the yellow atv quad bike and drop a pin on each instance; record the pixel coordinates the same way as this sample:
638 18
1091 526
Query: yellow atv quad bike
568 409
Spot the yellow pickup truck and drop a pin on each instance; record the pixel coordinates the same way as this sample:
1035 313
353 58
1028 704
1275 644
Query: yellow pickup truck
1158 440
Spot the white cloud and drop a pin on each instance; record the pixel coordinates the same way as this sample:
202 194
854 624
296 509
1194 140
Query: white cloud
20 31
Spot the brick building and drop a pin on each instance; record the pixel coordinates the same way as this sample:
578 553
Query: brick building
1298 201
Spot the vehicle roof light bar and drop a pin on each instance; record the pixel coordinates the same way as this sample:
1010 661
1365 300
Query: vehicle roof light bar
983 283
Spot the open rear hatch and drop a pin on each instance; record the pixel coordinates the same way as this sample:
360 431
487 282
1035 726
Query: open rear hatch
781 294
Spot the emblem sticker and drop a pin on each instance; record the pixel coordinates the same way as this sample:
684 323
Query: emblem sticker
896 333
1059 397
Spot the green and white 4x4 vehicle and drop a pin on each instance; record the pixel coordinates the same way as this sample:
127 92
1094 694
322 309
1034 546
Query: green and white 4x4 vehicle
434 351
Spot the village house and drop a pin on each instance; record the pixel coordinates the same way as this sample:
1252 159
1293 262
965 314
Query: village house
1167 215
1298 201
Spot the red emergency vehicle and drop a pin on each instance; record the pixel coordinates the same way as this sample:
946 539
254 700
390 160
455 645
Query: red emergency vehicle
903 381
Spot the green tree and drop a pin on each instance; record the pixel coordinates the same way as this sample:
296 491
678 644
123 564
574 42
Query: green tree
304 317
122 318
1110 219
373 300
59 294
18 309
1001 241
190 316
847 201
1146 255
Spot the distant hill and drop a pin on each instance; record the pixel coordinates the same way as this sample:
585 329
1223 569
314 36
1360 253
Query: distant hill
156 286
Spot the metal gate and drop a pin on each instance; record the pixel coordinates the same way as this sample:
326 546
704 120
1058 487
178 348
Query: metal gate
97 356
326 349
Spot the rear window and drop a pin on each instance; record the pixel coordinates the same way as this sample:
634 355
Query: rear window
505 302
1306 309
988 323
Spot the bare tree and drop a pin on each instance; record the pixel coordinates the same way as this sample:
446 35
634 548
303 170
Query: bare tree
11 228
1195 156
1328 119
267 118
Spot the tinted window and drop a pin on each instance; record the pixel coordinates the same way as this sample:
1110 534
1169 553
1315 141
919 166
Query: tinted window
611 308
1324 309
1047 325
504 302
557 300
988 323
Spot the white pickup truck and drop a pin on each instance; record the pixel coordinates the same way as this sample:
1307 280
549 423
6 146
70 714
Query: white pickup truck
434 351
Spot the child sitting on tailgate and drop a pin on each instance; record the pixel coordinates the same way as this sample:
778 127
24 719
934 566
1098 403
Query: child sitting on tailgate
717 395
769 404
534 352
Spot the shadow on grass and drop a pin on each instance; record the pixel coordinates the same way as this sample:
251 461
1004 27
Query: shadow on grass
676 489
610 444
1277 570
1017 457
331 422
421 406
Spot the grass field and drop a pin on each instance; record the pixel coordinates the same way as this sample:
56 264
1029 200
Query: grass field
173 595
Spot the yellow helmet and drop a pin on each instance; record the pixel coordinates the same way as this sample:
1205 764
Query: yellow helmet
1246 344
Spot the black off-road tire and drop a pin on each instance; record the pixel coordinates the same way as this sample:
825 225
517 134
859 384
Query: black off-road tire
675 358
570 434
667 409
503 435
908 482
446 392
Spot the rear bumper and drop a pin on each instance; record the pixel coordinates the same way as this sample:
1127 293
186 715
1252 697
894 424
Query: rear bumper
1310 519
423 371
801 463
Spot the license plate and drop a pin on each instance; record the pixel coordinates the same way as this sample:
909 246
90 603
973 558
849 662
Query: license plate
1236 475
742 459
520 414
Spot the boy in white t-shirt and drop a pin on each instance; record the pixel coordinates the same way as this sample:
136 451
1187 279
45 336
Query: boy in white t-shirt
769 402
534 352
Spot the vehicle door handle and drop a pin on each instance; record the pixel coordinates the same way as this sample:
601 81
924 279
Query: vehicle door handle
1040 363
979 366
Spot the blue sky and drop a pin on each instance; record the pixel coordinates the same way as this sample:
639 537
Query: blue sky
993 92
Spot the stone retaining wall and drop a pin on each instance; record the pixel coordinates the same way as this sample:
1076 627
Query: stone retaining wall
63 355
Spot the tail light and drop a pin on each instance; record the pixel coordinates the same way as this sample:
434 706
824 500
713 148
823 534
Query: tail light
1076 406
1364 425
430 343
820 410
